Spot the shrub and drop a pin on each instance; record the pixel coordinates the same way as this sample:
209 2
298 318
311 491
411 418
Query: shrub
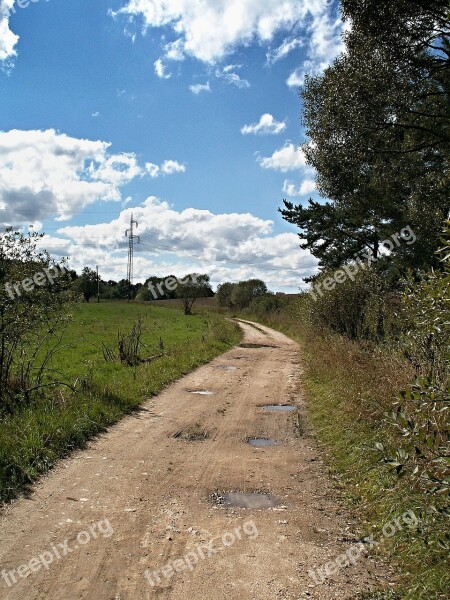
362 308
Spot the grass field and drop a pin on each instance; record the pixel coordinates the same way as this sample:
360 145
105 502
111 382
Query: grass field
37 435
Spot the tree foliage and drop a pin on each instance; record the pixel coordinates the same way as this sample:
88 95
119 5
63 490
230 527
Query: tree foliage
240 295
379 138
32 316
192 287
86 283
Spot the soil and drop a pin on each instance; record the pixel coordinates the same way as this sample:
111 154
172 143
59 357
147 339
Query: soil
144 496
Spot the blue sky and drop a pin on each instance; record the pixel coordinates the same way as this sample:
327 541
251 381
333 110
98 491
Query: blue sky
185 112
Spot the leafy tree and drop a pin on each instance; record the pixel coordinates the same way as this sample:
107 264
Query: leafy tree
192 287
379 137
224 291
32 316
245 292
86 284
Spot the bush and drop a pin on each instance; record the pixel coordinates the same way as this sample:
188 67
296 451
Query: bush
362 308
420 414
267 304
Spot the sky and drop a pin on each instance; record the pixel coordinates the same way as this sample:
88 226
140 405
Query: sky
183 113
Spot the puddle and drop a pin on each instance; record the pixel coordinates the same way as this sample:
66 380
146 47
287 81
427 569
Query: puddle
241 500
262 442
192 433
226 368
202 392
278 407
257 346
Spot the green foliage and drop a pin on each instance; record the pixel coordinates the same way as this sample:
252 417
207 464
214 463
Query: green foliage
238 296
421 413
86 284
32 316
224 291
267 304
359 308
192 287
377 121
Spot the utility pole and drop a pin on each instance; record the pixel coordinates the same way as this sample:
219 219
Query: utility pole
131 237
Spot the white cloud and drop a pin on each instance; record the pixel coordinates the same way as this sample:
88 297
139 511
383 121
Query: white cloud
200 87
8 39
209 30
95 115
267 125
306 187
174 50
46 173
287 158
296 78
168 167
160 69
283 50
228 246
228 73
325 43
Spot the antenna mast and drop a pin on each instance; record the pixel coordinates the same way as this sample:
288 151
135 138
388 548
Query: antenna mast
131 237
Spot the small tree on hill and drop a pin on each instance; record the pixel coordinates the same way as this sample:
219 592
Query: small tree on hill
192 287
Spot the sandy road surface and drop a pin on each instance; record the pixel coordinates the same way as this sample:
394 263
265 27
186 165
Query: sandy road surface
142 496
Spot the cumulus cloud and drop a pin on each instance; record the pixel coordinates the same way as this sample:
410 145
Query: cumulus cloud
228 246
209 30
198 88
168 167
46 173
267 125
8 39
287 158
306 187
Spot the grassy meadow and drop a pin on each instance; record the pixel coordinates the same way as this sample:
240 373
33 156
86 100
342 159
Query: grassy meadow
60 420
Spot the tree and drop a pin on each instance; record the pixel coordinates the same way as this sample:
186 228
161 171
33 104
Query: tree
86 284
246 291
224 291
192 287
378 120
32 316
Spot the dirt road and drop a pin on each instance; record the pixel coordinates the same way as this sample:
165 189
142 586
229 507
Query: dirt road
143 513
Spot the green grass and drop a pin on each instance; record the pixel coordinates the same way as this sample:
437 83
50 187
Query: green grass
37 435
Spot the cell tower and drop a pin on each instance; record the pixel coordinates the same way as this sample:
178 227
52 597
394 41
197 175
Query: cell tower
131 237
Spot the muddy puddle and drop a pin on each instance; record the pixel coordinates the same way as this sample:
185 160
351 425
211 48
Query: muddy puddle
257 346
242 500
278 407
262 442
